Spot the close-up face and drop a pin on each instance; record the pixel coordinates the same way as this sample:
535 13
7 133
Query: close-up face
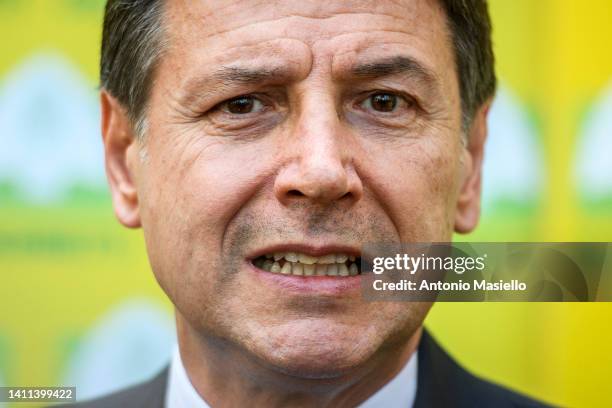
280 139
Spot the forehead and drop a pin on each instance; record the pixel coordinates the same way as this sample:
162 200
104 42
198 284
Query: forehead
305 34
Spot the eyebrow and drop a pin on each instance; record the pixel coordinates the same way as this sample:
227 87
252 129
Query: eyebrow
234 76
394 66
228 77
248 76
231 77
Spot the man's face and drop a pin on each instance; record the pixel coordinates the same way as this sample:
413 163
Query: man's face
297 127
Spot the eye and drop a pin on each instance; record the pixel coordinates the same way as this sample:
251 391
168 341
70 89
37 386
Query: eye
383 102
242 105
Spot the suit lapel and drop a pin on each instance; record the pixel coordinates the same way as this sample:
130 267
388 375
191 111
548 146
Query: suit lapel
435 371
154 393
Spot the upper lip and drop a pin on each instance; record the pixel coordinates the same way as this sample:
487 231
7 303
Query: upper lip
308 249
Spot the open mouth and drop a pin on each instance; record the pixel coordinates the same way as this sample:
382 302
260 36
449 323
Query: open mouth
300 264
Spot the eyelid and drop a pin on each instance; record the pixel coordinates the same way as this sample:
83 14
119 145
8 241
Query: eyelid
407 98
223 105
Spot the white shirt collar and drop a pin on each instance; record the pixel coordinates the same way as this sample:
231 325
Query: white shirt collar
180 393
397 393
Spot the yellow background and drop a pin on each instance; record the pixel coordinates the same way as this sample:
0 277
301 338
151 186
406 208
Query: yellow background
65 264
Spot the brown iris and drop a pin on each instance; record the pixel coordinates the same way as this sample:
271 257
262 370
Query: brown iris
383 102
241 105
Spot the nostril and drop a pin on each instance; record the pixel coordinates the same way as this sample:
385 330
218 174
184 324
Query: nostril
295 193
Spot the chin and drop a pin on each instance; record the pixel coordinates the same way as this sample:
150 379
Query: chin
317 350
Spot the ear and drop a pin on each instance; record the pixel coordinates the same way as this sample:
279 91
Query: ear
468 203
120 153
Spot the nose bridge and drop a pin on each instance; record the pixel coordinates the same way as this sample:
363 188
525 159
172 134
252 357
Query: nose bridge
317 131
319 168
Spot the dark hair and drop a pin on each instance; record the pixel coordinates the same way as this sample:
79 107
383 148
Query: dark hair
132 43
470 27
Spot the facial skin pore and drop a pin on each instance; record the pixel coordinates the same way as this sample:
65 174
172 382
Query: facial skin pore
308 126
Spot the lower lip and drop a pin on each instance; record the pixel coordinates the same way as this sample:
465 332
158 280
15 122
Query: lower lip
312 285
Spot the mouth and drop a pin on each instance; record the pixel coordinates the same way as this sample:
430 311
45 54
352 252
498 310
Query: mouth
303 264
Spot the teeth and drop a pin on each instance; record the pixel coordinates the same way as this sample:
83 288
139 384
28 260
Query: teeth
312 271
306 259
332 270
298 269
322 270
327 259
309 270
291 257
343 270
307 265
341 258
310 260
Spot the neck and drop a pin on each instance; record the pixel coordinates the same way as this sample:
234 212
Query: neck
225 375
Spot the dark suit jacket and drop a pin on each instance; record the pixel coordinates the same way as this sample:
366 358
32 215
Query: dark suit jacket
441 383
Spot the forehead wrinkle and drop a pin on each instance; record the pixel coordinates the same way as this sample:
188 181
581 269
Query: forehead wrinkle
311 23
312 20
301 30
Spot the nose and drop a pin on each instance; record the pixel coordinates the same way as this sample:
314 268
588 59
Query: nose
320 166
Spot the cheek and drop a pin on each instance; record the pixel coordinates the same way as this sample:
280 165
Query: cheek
191 189
420 189
197 184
